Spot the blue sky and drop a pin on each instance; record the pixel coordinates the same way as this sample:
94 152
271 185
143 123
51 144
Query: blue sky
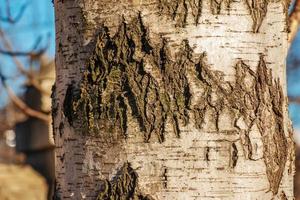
293 63
38 21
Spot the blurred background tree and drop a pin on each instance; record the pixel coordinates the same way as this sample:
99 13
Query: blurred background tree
293 75
27 74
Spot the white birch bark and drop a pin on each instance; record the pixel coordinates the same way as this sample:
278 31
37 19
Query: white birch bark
226 136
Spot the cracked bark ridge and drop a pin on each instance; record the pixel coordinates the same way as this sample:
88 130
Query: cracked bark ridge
255 98
175 83
216 5
283 196
116 81
271 125
234 155
122 187
258 11
178 10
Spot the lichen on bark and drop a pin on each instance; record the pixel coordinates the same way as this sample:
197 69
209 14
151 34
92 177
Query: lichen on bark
122 187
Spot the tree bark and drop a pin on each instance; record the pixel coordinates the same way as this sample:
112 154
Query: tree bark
162 99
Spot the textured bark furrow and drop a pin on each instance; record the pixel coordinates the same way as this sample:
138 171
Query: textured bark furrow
258 11
178 10
175 83
292 147
54 102
234 155
54 107
216 5
116 79
115 75
283 196
257 99
271 124
122 186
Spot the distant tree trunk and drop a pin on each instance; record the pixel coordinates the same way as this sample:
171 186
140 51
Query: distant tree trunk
172 99
33 136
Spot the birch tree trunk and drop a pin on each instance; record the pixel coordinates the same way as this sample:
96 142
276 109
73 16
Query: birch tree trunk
172 99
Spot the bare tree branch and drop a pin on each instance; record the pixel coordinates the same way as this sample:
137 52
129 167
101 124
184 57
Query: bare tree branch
9 17
21 67
21 105
295 99
8 46
31 53
294 20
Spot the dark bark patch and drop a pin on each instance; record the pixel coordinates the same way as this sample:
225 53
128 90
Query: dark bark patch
258 11
255 97
234 155
206 154
54 103
216 5
283 196
61 129
165 177
180 10
271 125
116 81
122 186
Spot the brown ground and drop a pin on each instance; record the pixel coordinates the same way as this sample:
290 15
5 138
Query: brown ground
19 182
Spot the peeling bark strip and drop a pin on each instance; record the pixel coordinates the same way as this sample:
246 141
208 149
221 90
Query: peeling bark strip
179 10
123 186
119 81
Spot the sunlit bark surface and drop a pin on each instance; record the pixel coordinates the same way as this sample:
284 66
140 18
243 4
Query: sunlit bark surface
182 99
